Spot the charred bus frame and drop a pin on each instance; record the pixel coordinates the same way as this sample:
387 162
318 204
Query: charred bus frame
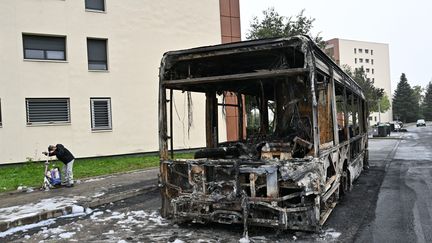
289 171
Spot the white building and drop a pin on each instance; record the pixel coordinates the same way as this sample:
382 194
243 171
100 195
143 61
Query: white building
373 57
84 73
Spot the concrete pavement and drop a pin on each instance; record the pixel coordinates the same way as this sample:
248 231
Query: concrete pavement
25 208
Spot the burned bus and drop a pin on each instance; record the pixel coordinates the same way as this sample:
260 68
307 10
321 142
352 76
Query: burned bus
301 134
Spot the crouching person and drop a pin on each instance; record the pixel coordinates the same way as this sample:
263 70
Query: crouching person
65 156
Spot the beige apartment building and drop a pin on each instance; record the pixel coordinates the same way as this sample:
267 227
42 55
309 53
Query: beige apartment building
84 73
373 57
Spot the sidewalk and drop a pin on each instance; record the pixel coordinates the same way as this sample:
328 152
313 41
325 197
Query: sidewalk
23 208
393 135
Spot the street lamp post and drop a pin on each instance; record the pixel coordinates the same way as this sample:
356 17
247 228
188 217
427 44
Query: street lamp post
379 112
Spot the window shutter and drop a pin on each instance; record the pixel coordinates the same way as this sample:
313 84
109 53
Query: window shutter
44 42
97 54
44 47
101 114
95 4
50 110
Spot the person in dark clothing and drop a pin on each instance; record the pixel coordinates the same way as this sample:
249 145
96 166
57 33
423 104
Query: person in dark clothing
65 156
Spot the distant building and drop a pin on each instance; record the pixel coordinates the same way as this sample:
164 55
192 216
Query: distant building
374 57
85 73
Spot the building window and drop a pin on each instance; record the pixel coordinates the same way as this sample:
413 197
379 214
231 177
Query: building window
44 47
97 54
98 5
100 114
373 71
361 60
372 61
47 110
355 60
367 70
360 50
367 60
366 51
373 79
355 50
371 52
1 120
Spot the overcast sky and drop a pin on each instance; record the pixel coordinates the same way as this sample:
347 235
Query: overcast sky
406 25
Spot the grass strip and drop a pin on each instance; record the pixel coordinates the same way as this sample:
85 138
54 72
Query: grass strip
31 174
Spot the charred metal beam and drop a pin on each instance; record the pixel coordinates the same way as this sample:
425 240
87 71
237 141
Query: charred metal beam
163 145
242 76
240 116
333 107
345 101
211 120
264 120
171 124
311 63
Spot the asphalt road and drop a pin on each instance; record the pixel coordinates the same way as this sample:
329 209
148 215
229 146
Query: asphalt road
390 202
404 207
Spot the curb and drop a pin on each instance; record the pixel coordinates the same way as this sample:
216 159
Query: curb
379 138
118 196
44 215
35 218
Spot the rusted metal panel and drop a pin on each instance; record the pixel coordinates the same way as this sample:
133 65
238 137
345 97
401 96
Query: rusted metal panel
289 173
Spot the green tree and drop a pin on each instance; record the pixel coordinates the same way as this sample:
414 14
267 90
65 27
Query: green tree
427 103
373 95
384 103
418 94
274 25
405 105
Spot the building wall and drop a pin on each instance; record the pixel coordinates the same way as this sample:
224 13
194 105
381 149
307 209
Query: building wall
343 51
138 34
231 32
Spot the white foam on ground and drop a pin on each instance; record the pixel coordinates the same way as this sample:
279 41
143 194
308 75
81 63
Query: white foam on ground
13 213
332 233
129 220
93 180
77 209
26 227
109 232
95 214
54 231
98 194
66 235
244 240
115 215
178 241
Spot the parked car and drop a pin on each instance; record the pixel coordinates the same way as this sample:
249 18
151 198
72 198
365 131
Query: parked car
421 123
400 123
397 127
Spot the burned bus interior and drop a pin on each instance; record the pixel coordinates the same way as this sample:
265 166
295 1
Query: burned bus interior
299 140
